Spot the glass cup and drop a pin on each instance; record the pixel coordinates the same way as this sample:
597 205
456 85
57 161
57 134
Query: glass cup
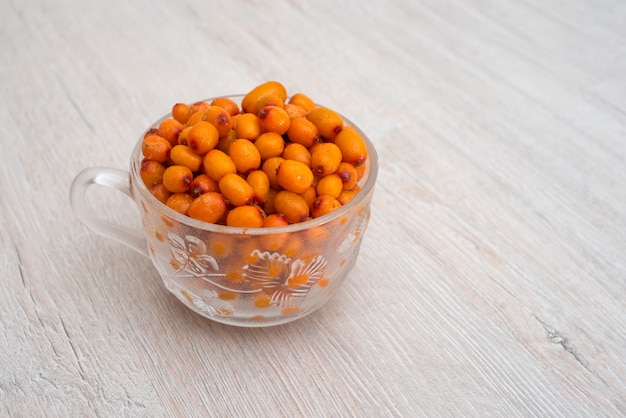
250 277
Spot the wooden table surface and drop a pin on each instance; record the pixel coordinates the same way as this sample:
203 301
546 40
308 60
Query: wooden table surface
492 277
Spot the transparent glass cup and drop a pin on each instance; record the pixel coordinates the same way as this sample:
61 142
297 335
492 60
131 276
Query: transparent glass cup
251 277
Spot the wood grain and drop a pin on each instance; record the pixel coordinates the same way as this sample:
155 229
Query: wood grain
491 280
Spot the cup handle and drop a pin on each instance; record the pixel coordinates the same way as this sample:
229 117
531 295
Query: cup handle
109 177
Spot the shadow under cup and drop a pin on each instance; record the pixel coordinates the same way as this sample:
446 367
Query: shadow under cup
252 277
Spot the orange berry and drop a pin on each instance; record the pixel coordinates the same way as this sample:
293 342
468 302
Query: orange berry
274 220
345 196
270 88
218 117
236 190
217 163
352 146
156 148
225 103
181 112
245 155
151 172
183 155
303 131
302 100
200 106
270 144
184 134
160 192
170 129
348 175
323 205
360 171
177 178
260 184
202 184
224 143
328 122
195 118
269 100
274 119
294 111
297 152
325 158
329 185
270 167
291 206
248 127
180 202
209 207
294 176
245 217
309 196
203 137
268 204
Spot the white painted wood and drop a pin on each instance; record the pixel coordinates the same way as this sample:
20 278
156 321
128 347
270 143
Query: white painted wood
491 281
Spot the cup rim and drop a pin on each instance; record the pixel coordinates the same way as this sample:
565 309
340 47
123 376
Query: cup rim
367 188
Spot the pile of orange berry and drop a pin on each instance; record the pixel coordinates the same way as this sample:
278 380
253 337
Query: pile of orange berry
271 160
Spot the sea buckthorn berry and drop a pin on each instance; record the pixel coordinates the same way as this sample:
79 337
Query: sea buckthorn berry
177 178
270 144
184 155
323 205
325 158
151 131
328 122
268 204
180 202
303 131
160 192
151 172
184 134
218 117
294 111
302 100
245 155
195 118
345 196
156 148
269 100
200 106
297 152
170 129
348 175
360 171
274 119
294 176
236 189
260 184
248 127
269 88
291 206
181 112
202 184
217 164
270 167
352 146
224 143
245 217
209 207
225 103
274 220
203 137
329 185
309 196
